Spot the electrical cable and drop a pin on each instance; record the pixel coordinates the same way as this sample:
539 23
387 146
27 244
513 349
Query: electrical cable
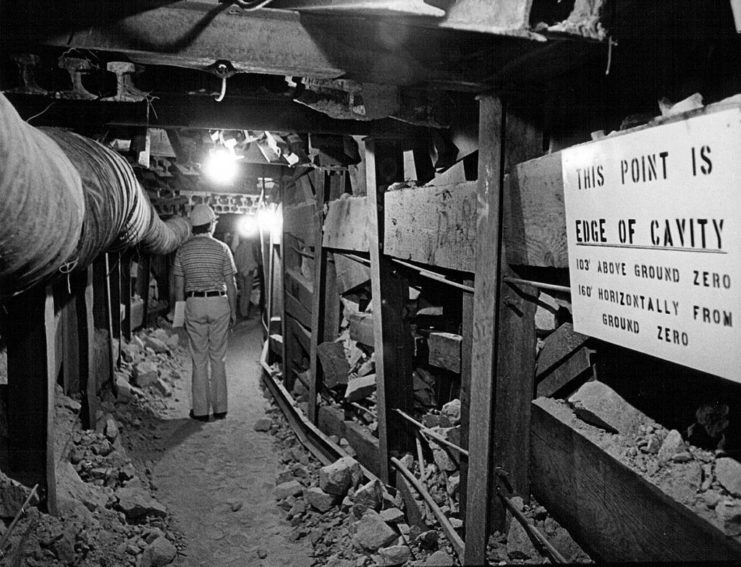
248 6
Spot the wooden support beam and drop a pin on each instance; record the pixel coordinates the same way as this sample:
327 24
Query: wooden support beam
392 336
346 225
70 345
433 225
298 286
114 275
298 222
31 390
445 350
514 389
83 289
536 233
574 367
126 258
613 512
515 375
318 303
350 273
485 319
145 272
467 306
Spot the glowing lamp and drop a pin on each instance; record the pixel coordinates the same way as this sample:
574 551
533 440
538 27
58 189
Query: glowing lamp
221 166
270 221
247 226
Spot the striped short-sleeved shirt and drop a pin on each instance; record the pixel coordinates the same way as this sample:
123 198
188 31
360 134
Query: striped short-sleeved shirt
205 263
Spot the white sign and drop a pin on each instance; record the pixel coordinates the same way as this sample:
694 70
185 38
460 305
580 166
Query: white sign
654 238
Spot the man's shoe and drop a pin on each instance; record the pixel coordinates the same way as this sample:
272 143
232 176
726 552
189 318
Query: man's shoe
220 415
198 417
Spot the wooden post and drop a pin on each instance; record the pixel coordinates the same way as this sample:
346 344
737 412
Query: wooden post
466 346
31 384
515 376
126 294
142 282
485 318
285 350
114 276
318 301
70 345
83 289
392 337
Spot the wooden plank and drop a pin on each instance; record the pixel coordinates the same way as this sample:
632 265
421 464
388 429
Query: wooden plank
558 345
515 375
575 366
298 310
298 286
433 225
536 233
83 289
31 388
70 346
392 336
514 391
350 273
362 328
467 304
317 369
345 227
298 221
126 294
300 333
332 422
366 447
484 348
445 350
613 512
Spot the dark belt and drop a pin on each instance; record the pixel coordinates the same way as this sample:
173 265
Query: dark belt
205 293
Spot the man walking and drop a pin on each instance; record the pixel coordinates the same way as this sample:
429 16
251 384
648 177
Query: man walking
204 278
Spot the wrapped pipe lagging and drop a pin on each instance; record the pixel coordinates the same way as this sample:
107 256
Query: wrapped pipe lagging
41 204
65 200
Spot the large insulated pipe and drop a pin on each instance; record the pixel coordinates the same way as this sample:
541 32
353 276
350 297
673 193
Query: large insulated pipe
117 211
41 204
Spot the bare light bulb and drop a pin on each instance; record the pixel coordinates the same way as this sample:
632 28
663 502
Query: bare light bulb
221 166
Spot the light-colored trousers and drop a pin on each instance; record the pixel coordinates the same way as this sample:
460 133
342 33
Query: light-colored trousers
207 325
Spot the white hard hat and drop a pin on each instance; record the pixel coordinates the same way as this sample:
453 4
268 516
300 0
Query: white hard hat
202 214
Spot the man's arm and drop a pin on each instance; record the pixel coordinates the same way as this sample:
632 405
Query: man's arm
231 292
179 288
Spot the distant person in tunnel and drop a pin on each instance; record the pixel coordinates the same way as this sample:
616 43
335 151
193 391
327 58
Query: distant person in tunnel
204 278
246 258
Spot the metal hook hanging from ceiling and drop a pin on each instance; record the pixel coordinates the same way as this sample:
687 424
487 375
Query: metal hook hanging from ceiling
222 69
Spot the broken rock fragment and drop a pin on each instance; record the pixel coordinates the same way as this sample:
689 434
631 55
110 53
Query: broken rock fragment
372 533
136 503
158 553
286 489
728 473
394 555
319 499
338 477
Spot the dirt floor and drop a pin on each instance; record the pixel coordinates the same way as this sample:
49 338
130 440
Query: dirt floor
216 479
